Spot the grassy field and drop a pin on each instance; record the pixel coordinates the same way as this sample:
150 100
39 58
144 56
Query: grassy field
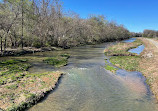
20 89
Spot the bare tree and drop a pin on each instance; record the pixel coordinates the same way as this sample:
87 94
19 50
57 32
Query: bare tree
43 23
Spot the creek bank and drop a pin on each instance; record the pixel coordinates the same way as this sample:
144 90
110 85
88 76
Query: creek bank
121 49
31 50
20 89
121 56
146 62
130 40
26 50
149 63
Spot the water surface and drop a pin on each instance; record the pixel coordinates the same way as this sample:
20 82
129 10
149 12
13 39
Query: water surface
87 86
130 40
137 50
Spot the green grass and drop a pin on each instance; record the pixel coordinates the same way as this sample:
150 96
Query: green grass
57 61
17 82
110 68
65 55
122 58
12 70
129 63
13 86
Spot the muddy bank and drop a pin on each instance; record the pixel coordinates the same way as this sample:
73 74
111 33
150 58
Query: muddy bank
26 50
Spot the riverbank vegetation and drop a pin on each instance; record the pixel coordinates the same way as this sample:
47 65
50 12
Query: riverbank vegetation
57 61
129 63
149 63
110 68
146 62
19 88
40 23
121 49
123 59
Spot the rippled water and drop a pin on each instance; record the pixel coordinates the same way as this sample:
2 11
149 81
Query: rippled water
87 86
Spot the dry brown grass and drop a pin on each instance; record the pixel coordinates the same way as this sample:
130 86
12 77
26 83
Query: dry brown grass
27 90
150 65
121 49
20 89
147 62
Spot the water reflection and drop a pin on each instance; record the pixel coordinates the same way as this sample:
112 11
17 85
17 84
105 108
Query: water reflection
137 50
130 40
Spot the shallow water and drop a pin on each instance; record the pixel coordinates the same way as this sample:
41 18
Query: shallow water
87 86
137 50
130 40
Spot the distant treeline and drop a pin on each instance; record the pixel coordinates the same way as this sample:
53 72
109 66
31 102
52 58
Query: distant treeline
150 33
146 33
134 34
43 23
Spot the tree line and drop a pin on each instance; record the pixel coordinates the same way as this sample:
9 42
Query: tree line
150 33
44 23
136 34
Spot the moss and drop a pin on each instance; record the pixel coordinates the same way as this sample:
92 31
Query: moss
110 68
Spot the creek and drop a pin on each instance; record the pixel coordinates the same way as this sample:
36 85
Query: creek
87 86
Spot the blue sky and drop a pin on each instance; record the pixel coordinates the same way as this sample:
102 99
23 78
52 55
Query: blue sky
135 15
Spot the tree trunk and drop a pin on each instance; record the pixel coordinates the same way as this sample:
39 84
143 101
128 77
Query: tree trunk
1 45
22 45
5 42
